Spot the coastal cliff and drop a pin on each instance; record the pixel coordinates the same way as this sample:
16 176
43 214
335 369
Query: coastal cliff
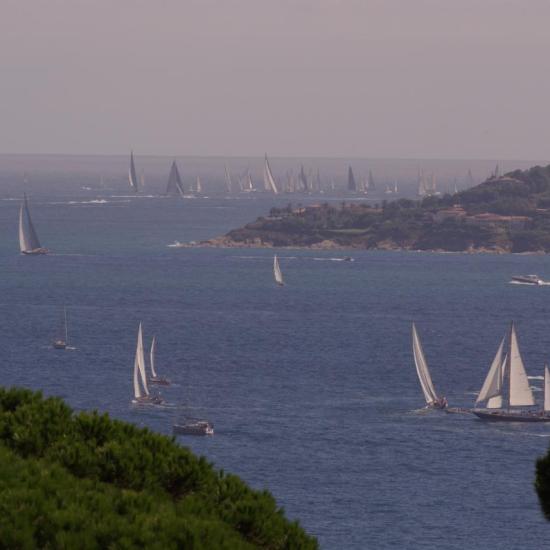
503 214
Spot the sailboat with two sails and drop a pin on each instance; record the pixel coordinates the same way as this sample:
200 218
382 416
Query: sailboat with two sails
506 391
28 239
433 401
142 395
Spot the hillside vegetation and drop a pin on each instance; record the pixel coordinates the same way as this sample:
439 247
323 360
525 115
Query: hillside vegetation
86 481
506 214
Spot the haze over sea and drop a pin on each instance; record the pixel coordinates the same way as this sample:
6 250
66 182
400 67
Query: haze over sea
311 387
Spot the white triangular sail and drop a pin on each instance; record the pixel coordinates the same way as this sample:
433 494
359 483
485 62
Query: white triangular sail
492 386
198 186
139 368
152 356
277 271
520 392
496 402
132 175
28 239
269 181
174 187
422 369
546 389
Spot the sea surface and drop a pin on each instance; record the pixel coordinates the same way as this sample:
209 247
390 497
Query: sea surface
311 387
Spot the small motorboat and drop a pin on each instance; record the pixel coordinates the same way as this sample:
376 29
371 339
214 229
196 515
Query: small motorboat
527 279
193 426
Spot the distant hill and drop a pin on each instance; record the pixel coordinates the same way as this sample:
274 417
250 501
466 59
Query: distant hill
503 214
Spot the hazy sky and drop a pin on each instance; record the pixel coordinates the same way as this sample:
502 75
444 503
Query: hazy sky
356 78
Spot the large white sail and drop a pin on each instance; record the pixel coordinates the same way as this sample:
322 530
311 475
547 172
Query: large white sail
268 178
496 402
174 187
198 187
492 386
152 356
422 369
277 271
520 392
546 389
139 368
28 239
132 176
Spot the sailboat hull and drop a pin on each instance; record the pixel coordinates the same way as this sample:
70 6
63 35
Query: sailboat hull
35 252
59 344
501 416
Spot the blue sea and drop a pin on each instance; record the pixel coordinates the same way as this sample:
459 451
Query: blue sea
311 387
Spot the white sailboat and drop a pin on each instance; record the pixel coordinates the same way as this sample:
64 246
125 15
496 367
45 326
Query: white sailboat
132 175
155 378
62 343
269 181
142 396
277 272
28 239
174 187
433 401
507 387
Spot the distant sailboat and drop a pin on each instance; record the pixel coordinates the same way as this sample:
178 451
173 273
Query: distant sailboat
62 343
28 239
433 401
198 186
132 175
174 187
141 391
228 182
269 181
277 272
155 378
507 386
352 186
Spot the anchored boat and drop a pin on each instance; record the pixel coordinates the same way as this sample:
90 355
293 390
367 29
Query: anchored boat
192 426
433 401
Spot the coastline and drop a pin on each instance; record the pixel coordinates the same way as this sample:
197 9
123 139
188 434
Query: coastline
227 243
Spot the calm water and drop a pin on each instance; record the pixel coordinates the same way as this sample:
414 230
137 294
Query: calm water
311 387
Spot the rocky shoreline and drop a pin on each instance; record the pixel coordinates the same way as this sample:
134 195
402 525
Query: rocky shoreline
227 242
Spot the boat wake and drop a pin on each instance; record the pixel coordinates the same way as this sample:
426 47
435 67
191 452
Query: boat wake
347 259
93 201
535 377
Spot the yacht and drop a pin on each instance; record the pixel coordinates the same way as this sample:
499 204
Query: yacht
142 396
193 426
527 279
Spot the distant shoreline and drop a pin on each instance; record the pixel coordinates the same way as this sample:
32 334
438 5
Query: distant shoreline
227 243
